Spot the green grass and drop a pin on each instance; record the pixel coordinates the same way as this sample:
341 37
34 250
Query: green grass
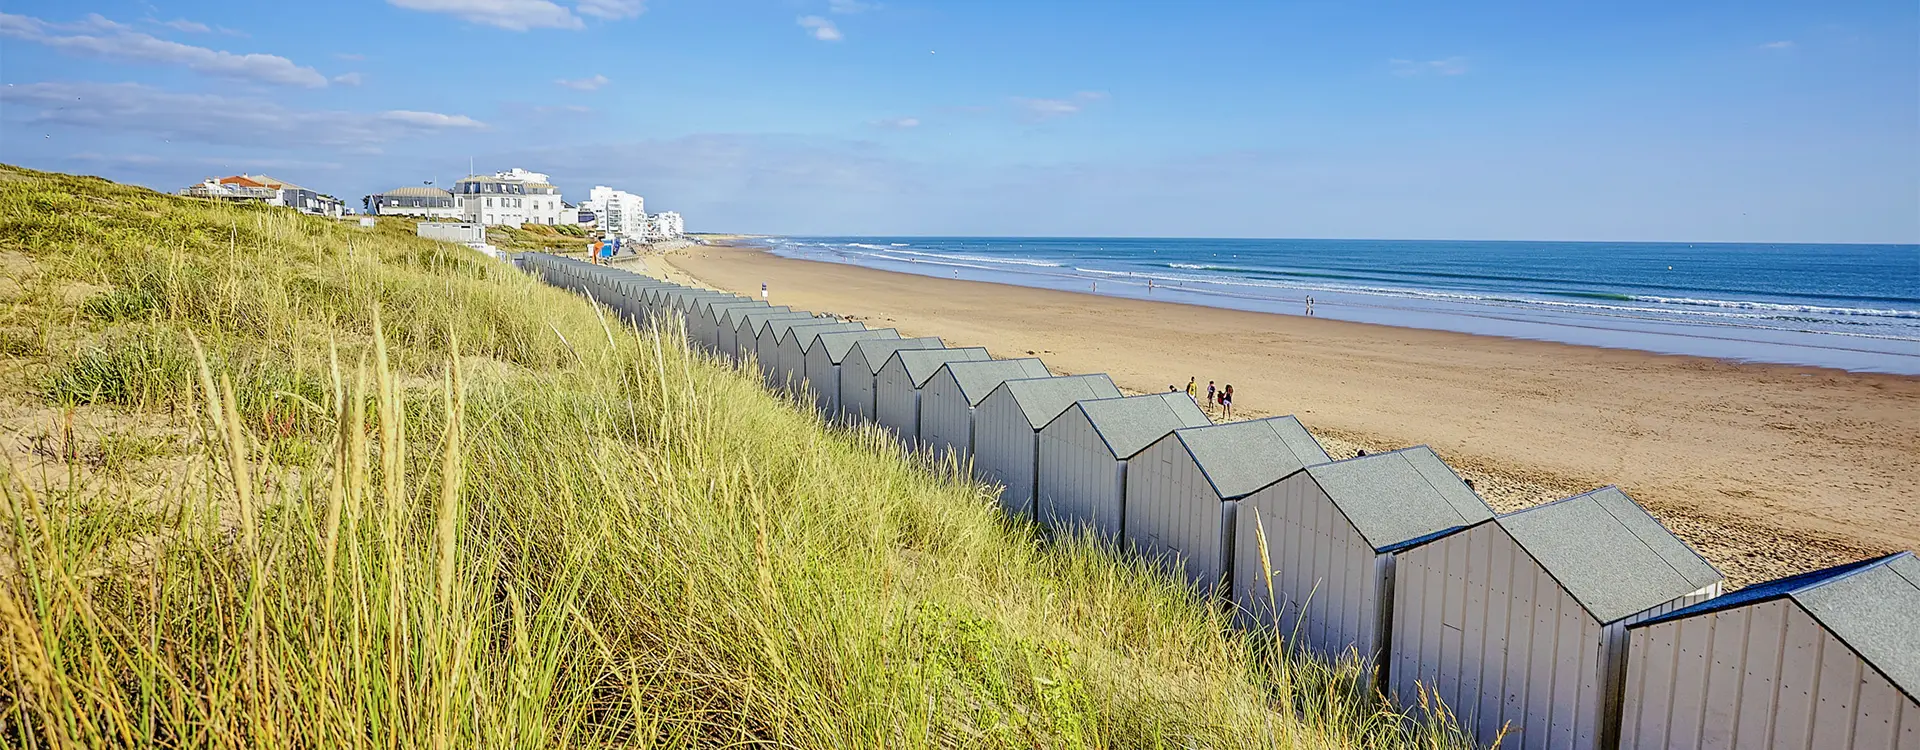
413 498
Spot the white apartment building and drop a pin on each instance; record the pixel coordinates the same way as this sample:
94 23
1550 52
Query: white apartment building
422 201
665 226
512 198
619 212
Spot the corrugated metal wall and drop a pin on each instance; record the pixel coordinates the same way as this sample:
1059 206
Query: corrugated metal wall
896 403
946 418
1005 450
1763 675
856 387
823 381
1477 620
1326 577
1174 517
1080 480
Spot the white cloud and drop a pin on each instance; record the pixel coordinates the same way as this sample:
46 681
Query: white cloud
898 123
1784 44
1446 66
118 42
191 27
211 118
612 10
820 28
347 79
592 83
1046 109
849 7
512 15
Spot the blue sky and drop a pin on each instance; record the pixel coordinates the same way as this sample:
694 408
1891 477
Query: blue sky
1717 121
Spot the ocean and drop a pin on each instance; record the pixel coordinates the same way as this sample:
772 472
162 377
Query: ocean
1853 307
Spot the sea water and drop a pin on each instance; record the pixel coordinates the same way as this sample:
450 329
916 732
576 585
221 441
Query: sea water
1854 307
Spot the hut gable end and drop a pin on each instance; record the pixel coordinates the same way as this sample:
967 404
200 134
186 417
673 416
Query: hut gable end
839 344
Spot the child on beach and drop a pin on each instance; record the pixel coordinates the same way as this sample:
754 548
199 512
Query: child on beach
1226 402
1211 393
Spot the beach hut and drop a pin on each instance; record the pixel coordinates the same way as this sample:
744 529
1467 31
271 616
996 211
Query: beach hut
726 333
768 349
1084 452
897 387
949 397
823 365
1522 622
1333 534
1006 431
1824 659
791 361
700 321
862 365
1183 491
714 317
683 307
747 335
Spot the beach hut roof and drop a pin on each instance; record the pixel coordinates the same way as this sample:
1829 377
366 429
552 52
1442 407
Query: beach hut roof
978 379
779 325
1130 424
736 313
1870 605
839 343
1239 458
707 303
1042 399
805 333
878 351
1398 498
921 364
1609 553
758 319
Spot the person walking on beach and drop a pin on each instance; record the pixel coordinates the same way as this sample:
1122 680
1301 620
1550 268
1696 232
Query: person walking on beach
1309 304
1226 402
1211 395
1193 389
763 291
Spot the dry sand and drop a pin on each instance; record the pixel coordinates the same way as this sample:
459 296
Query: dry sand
1765 469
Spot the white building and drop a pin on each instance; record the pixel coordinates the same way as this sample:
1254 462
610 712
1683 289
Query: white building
263 189
665 226
512 201
425 202
619 212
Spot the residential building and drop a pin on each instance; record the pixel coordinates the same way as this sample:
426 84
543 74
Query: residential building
423 201
665 226
542 203
620 213
273 192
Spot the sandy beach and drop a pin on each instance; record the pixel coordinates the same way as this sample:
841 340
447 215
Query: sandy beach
1765 469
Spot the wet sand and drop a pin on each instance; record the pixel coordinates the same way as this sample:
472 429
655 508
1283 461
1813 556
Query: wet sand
1765 469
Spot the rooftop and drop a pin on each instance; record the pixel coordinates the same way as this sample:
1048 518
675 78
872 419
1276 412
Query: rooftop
1609 553
1043 398
876 352
840 343
977 379
1239 458
1399 497
1130 424
921 364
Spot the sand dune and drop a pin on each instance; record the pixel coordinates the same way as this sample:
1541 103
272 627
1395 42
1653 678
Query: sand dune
1766 469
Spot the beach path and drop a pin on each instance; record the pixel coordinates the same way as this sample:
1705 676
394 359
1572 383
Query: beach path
1766 469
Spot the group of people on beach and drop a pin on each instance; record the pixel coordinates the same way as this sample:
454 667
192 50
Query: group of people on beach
1216 397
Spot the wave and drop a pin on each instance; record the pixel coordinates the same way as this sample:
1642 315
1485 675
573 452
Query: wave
969 258
1779 307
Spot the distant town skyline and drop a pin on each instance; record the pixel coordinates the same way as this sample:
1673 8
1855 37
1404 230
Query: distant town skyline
1739 122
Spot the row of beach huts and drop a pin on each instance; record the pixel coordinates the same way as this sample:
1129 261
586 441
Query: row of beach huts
1581 623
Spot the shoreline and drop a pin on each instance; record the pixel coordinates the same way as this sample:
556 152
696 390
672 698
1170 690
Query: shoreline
1767 469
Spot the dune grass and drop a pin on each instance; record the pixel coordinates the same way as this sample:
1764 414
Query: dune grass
409 497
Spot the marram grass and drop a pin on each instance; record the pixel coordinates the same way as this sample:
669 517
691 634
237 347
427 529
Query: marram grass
423 501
